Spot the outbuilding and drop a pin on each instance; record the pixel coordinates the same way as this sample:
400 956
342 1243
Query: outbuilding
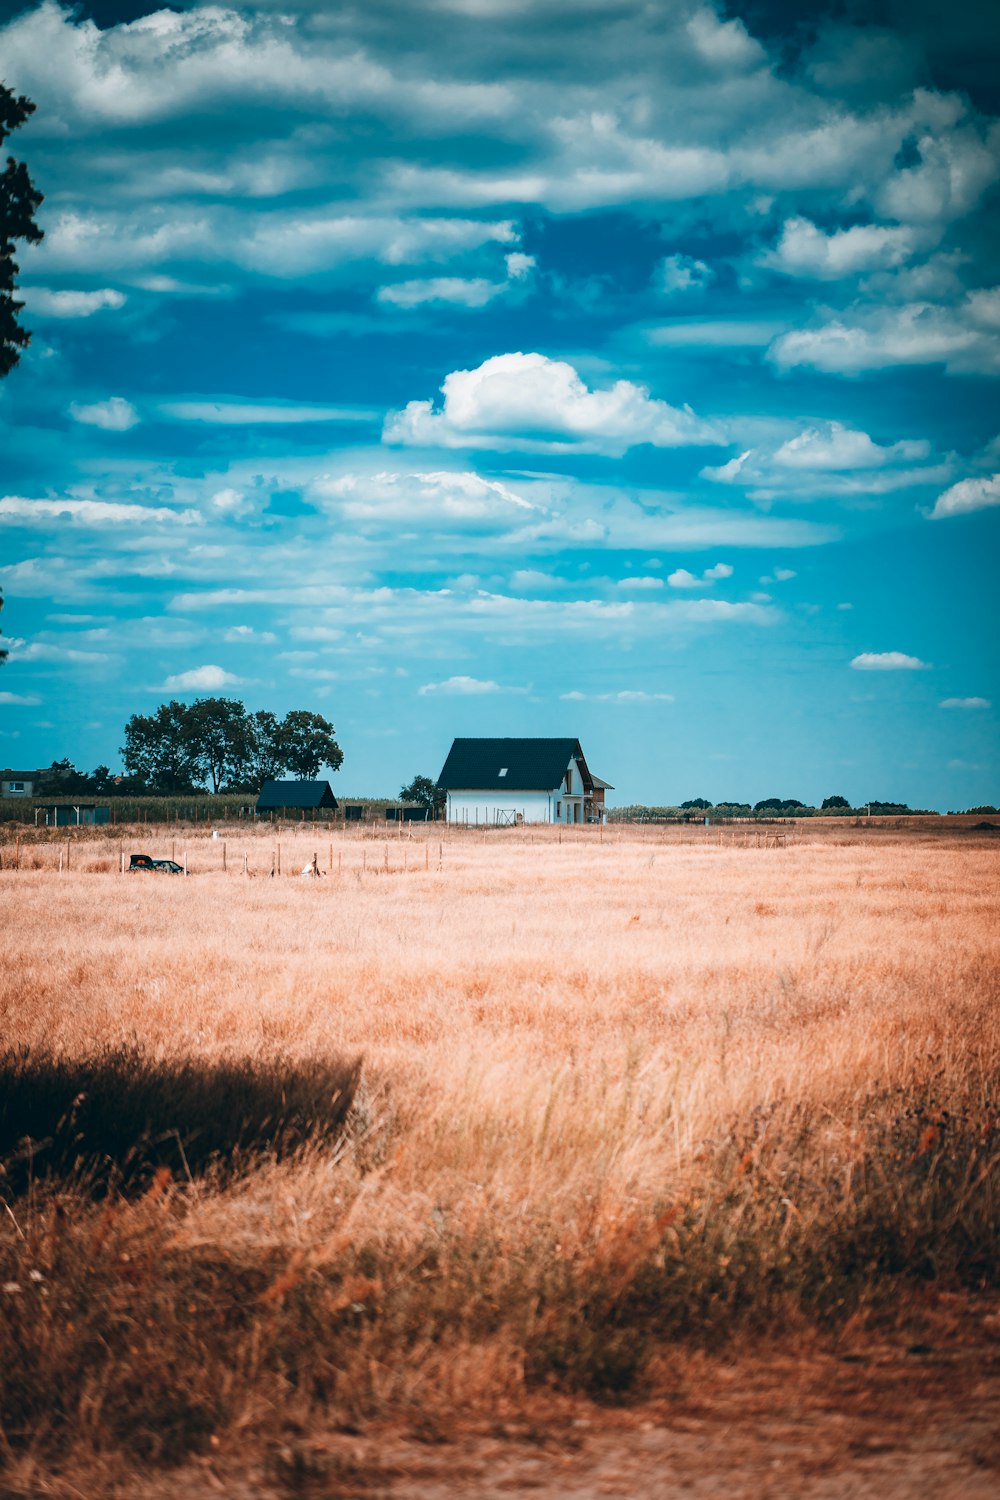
296 796
503 782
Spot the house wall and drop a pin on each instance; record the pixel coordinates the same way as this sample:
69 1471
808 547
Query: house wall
481 807
17 787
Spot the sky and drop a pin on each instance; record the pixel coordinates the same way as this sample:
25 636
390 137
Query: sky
623 369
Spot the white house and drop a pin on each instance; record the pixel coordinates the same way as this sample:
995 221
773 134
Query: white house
509 781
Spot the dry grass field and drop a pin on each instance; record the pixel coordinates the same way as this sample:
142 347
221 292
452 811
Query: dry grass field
487 1162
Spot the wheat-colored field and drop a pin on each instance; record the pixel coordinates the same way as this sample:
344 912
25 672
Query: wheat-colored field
622 1092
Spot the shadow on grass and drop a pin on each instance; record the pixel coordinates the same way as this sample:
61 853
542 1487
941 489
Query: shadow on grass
110 1120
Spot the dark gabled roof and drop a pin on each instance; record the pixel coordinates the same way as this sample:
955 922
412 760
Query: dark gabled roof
601 786
531 765
19 775
275 794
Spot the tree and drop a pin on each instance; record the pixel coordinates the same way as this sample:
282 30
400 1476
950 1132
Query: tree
829 802
157 749
182 745
423 792
306 742
219 737
264 760
19 200
697 803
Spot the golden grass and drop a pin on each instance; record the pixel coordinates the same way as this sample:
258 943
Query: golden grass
618 1088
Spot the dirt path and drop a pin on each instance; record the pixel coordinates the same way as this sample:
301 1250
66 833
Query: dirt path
889 1420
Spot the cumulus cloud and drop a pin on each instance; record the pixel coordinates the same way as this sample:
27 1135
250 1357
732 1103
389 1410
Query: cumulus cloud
682 273
533 402
681 578
966 496
806 252
114 415
965 339
19 700
834 446
641 583
46 303
888 661
972 703
200 679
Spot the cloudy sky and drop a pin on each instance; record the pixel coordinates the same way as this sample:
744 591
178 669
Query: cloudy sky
617 368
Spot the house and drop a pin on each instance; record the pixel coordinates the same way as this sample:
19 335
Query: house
19 783
296 796
508 781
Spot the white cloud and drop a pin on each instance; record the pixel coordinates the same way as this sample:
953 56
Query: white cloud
641 583
682 273
888 661
225 412
21 512
682 578
461 687
834 446
453 289
532 402
966 496
46 303
200 679
19 700
248 635
965 703
964 339
782 575
625 695
807 252
114 415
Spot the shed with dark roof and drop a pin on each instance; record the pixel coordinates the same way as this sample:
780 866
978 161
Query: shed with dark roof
510 781
296 796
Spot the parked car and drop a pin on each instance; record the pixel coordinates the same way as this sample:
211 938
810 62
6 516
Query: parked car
162 866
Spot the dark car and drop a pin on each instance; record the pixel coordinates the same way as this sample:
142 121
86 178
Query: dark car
162 866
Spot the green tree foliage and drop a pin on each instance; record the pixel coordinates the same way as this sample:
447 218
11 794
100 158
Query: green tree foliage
215 741
423 792
830 802
219 736
699 804
158 751
19 200
306 742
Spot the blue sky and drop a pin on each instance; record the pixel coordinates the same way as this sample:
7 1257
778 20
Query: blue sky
586 367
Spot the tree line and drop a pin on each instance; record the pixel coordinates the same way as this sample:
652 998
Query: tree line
211 744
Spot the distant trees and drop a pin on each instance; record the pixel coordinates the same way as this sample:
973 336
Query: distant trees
182 746
696 804
423 792
832 802
19 199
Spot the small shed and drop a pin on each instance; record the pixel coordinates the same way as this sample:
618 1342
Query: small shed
71 815
296 796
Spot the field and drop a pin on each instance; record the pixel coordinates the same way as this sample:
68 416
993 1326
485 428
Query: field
488 1162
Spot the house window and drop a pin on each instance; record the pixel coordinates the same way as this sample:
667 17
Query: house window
558 811
15 786
503 771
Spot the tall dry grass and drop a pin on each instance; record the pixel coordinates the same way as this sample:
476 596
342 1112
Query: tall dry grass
615 1094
